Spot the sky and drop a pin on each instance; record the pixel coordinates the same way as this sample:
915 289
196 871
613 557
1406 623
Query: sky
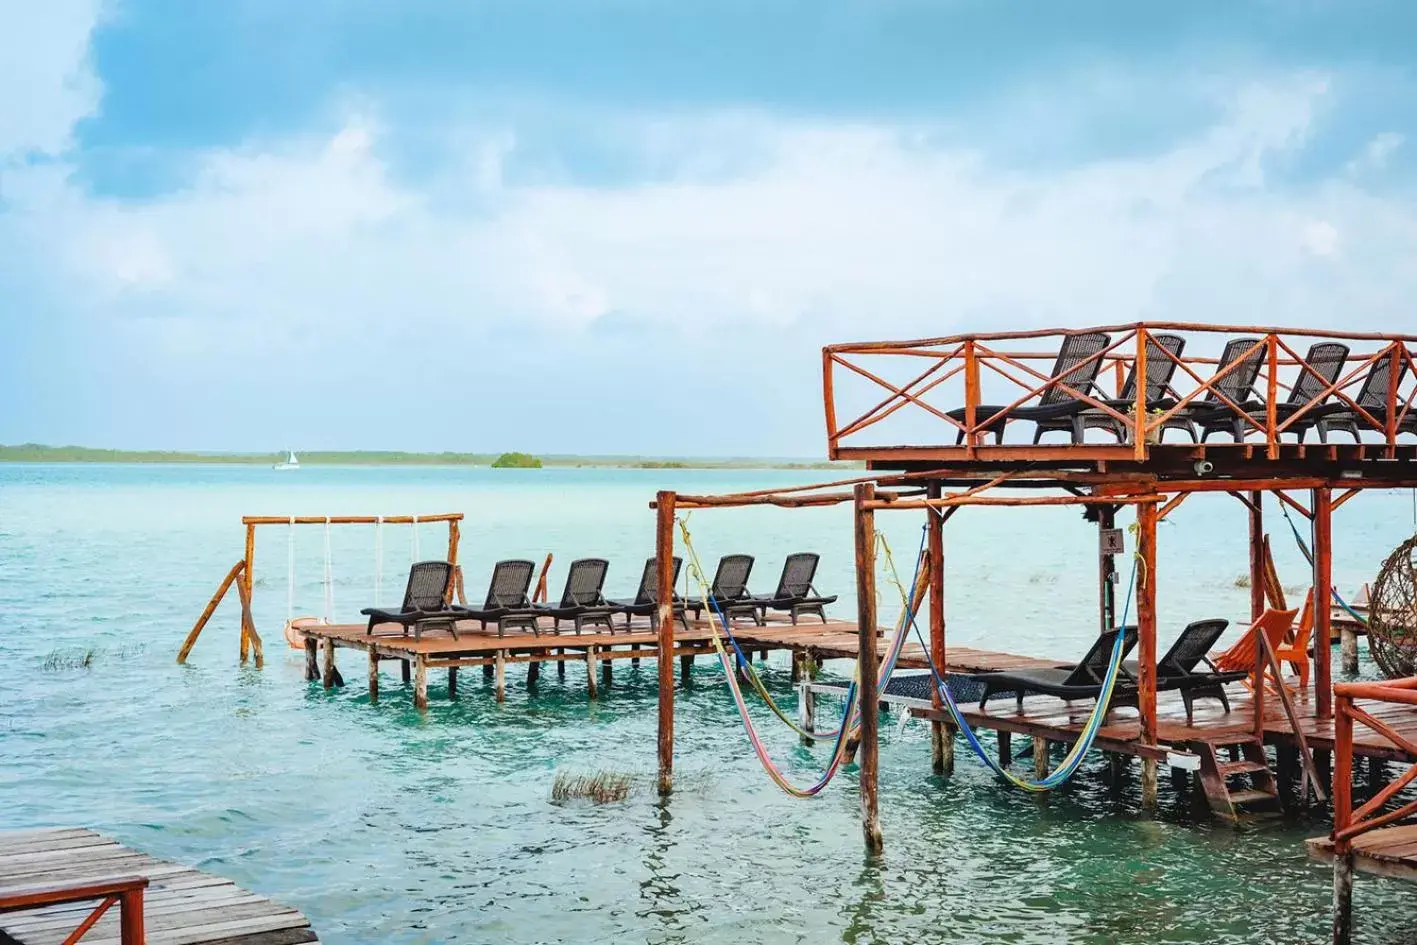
628 226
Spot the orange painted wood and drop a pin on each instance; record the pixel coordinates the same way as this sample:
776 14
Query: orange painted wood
664 570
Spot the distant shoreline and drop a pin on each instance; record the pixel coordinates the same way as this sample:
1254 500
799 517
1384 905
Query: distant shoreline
34 453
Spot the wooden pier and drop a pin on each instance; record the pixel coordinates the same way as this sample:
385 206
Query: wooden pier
55 882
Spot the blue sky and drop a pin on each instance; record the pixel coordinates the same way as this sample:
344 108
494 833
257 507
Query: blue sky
628 227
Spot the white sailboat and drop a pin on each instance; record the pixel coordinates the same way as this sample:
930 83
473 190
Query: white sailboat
290 461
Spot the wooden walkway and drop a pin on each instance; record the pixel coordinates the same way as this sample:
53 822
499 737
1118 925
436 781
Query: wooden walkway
1387 851
182 906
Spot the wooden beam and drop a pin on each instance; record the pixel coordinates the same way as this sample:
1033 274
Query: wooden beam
664 562
211 607
350 519
1322 548
868 756
941 740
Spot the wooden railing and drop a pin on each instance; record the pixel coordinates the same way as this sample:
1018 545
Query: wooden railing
126 892
946 384
1348 822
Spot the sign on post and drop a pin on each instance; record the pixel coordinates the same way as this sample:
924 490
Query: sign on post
1111 542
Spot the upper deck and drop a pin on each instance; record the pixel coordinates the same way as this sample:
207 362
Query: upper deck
1222 400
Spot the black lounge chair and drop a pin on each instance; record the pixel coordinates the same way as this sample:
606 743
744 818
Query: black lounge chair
583 600
1177 669
729 592
1079 361
646 600
507 603
1237 386
1159 395
1372 397
795 593
425 601
1325 360
1068 682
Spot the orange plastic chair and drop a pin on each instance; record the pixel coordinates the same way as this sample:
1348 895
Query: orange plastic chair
1296 652
1274 624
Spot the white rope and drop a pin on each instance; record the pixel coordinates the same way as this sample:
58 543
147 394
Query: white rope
378 561
329 577
417 555
290 571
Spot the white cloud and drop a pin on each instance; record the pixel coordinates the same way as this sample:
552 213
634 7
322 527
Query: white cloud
1376 152
45 74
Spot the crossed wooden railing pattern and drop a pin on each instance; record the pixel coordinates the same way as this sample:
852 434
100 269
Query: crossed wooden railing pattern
1348 822
967 359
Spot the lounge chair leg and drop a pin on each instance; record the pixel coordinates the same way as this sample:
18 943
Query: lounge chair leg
420 684
373 678
1148 784
452 682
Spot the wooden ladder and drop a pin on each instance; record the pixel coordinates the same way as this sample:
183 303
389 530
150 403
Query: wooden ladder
1244 785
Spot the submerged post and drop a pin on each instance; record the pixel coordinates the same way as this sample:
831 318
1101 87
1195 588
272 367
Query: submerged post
1257 599
942 759
1146 643
1323 606
868 753
664 565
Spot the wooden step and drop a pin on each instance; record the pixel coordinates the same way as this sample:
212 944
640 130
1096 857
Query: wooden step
1228 768
1251 796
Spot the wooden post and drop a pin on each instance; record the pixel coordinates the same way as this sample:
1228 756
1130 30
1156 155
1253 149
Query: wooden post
1146 643
941 738
806 704
312 659
452 682
1322 506
454 536
405 671
246 573
590 672
248 625
1348 649
501 675
328 676
1006 748
1342 819
869 752
373 677
1040 757
1107 571
1257 599
664 591
420 683
130 918
221 590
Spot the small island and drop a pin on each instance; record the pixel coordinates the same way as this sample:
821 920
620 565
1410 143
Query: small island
516 461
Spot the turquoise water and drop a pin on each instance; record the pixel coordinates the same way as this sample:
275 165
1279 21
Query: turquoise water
384 825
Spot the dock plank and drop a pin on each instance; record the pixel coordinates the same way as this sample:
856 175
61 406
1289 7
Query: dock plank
182 905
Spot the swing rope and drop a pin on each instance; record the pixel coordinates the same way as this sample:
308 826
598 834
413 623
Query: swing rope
1073 760
290 571
850 713
329 577
1309 557
378 560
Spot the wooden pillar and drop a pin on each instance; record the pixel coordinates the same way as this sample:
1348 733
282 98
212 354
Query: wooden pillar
1348 649
454 533
452 682
561 667
131 930
1006 748
686 666
501 675
1040 757
664 655
1257 598
328 677
420 683
1146 643
246 582
1322 546
373 677
1107 571
533 673
405 671
807 709
941 739
869 753
590 672
1343 899
312 659
1342 819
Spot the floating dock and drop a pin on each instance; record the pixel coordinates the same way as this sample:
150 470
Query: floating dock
56 881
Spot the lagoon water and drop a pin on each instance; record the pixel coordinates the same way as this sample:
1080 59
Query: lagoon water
387 826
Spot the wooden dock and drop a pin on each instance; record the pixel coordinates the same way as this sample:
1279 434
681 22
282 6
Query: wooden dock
1389 851
177 905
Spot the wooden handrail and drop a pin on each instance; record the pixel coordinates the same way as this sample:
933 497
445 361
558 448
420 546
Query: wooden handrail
350 519
1348 823
124 891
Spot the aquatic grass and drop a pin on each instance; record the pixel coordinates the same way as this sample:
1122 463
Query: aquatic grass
1242 581
74 658
598 787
